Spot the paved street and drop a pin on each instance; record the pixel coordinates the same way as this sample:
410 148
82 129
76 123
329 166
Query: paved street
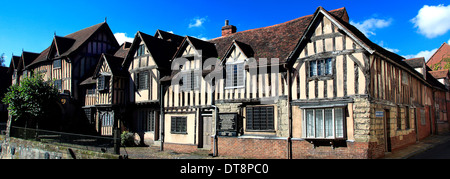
441 151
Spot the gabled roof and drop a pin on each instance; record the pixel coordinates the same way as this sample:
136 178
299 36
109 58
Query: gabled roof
440 74
62 44
169 37
123 50
208 48
439 55
71 43
43 56
26 59
83 35
246 49
114 63
416 62
161 50
276 41
14 64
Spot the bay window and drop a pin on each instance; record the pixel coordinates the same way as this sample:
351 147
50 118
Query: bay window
325 123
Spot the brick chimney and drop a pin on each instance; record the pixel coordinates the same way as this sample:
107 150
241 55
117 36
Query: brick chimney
228 29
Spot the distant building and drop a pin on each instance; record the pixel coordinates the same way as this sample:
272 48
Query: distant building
440 58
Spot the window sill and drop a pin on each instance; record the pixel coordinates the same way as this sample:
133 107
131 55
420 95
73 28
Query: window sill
323 77
250 136
333 142
179 133
235 87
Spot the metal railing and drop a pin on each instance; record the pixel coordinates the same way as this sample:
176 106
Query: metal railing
79 141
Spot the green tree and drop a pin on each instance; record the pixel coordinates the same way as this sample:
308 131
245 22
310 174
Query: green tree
447 63
32 100
2 60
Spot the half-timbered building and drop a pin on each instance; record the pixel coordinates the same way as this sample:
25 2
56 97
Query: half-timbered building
105 96
300 89
312 87
66 62
188 98
147 62
349 92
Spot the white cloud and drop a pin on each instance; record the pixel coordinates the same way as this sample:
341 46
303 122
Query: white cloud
387 48
370 25
122 37
433 21
201 37
197 22
426 54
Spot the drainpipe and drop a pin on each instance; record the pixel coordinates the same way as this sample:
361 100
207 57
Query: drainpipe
215 147
161 104
434 111
289 140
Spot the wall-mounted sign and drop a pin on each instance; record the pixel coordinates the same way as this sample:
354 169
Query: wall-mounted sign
379 113
228 124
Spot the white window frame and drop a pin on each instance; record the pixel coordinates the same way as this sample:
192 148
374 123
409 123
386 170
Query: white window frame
244 76
191 80
324 135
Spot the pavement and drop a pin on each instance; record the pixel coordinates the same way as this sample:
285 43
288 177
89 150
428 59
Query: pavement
419 147
153 152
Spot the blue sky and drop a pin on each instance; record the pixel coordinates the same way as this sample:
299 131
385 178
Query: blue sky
409 28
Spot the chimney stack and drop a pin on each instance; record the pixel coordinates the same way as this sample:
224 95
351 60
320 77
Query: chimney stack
228 29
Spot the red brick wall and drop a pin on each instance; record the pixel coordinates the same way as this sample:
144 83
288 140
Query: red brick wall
302 149
397 143
423 130
253 148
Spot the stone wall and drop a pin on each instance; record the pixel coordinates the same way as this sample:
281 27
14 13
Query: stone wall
24 149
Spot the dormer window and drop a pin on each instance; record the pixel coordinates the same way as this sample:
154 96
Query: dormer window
103 83
57 64
141 50
190 80
235 75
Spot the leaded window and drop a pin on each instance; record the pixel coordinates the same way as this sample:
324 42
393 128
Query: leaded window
260 118
178 125
321 67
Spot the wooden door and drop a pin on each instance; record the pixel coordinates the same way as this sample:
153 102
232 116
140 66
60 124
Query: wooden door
205 132
387 131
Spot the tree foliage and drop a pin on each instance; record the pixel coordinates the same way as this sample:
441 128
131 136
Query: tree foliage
32 99
2 60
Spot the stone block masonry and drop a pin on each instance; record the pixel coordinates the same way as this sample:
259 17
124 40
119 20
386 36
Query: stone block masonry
25 149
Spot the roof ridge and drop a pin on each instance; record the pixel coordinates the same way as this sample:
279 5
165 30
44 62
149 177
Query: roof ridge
440 47
275 25
99 25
